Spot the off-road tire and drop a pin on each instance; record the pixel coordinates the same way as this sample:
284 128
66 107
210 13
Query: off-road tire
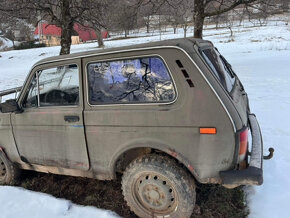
157 186
9 173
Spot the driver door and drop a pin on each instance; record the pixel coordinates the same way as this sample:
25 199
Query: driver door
50 130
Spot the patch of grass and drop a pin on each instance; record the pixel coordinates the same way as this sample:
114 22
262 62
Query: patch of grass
212 200
256 40
121 38
217 201
90 192
227 41
28 45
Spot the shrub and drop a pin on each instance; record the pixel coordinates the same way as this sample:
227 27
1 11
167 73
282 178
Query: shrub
29 44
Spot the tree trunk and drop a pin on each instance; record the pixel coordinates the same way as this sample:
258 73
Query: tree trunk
65 41
198 27
217 22
66 25
148 24
126 33
100 38
230 28
198 18
184 30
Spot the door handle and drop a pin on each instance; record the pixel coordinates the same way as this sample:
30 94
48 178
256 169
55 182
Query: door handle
71 119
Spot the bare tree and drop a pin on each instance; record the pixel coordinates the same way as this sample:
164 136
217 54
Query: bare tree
7 27
144 14
209 8
228 20
127 18
173 20
285 5
178 14
96 18
260 12
121 16
202 9
62 13
186 10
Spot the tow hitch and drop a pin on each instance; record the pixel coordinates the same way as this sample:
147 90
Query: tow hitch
270 155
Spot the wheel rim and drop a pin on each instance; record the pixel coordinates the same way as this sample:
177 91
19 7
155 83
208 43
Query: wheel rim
2 169
155 194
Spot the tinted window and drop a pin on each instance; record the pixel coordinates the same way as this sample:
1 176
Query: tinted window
58 86
219 68
130 81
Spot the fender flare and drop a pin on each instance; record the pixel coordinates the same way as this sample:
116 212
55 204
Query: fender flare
154 144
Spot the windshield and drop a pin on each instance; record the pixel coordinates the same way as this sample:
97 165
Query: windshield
219 67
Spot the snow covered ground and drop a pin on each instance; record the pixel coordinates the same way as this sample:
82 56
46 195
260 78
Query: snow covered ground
269 92
261 58
35 205
265 75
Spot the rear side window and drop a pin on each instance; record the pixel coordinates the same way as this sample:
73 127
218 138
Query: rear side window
139 80
219 68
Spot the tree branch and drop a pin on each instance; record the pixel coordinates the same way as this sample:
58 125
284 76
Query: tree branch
232 6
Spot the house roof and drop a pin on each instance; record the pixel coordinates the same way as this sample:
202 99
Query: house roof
48 30
85 33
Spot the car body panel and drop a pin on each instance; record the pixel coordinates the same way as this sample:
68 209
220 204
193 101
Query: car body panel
113 128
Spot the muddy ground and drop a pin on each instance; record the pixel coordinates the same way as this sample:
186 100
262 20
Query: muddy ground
212 200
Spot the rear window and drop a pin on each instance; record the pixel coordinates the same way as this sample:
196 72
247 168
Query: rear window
140 80
219 68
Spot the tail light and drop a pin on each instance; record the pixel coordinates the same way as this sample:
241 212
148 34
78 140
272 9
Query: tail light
243 144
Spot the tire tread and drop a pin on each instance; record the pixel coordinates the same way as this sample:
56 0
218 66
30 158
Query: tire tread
160 162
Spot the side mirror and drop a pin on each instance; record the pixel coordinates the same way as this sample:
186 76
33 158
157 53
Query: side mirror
10 106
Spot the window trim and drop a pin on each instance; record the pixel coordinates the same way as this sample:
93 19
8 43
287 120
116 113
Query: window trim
38 99
130 104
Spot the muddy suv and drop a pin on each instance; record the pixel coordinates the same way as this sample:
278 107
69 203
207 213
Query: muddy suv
167 115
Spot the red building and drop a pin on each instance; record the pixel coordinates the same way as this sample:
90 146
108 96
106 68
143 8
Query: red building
50 34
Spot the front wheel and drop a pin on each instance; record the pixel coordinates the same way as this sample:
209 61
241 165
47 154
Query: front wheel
8 171
156 186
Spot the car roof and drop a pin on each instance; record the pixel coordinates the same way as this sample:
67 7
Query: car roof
185 44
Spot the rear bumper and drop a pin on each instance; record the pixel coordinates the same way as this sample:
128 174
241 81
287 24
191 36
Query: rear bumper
253 174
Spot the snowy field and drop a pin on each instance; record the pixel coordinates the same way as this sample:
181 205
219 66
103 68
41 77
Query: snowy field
261 58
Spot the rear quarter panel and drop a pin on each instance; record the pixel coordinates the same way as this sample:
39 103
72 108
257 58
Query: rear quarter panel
174 127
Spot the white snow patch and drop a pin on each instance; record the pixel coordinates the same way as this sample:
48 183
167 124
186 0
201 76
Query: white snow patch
20 203
266 79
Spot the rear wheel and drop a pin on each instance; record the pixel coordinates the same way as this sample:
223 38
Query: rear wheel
156 186
8 171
